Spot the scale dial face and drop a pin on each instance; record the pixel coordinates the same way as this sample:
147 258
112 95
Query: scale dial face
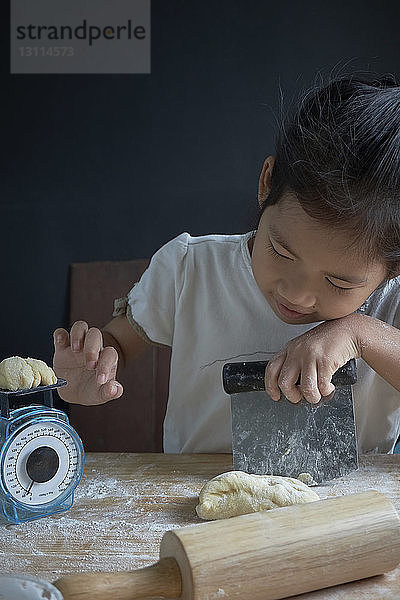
42 463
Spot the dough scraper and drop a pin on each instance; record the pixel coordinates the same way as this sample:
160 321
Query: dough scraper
282 438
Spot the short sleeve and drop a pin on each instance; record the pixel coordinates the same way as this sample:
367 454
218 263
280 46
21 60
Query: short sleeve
396 319
151 304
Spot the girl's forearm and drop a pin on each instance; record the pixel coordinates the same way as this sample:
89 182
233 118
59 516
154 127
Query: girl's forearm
379 346
109 340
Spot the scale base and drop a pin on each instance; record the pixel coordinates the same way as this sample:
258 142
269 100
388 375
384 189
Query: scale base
16 514
41 456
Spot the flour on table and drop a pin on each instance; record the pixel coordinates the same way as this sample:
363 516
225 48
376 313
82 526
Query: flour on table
238 493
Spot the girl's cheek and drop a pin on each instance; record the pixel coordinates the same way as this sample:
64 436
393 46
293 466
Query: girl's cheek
265 271
335 308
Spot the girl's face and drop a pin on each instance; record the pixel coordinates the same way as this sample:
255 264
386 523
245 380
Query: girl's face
304 270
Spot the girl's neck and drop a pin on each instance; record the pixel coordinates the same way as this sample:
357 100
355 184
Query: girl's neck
250 244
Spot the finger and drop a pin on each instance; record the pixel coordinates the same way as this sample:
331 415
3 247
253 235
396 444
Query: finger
61 338
287 383
106 365
309 384
325 386
111 391
271 376
77 335
92 347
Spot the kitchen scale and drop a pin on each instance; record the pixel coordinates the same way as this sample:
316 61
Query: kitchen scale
41 455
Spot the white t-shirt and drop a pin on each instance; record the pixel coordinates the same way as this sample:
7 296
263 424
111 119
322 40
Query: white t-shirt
199 296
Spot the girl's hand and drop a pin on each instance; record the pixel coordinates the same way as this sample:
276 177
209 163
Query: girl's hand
313 357
89 369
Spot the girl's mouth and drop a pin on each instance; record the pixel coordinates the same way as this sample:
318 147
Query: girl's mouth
288 313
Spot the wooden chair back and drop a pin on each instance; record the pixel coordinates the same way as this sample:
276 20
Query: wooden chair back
134 422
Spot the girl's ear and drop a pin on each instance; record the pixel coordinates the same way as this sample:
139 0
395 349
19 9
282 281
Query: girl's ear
264 183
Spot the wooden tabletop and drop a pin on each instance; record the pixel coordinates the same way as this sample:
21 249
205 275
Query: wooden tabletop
125 502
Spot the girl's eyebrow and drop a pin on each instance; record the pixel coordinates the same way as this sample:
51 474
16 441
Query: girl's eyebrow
278 237
280 240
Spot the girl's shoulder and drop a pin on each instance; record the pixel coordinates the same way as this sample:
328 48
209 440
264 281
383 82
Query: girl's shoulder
186 252
215 239
225 250
211 243
384 302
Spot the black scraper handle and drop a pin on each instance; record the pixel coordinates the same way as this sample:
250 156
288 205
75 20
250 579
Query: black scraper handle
249 376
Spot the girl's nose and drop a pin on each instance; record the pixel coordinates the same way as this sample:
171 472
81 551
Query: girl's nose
298 294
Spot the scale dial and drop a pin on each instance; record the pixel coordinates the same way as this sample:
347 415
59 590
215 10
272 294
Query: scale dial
41 463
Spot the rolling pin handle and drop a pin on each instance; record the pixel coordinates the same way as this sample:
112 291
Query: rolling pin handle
249 376
163 579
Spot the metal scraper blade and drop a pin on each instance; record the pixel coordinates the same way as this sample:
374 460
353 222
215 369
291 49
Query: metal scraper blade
282 438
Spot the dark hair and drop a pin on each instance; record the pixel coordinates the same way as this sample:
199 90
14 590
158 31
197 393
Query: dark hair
339 154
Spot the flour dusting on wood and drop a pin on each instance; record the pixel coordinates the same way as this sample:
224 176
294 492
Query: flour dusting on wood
126 502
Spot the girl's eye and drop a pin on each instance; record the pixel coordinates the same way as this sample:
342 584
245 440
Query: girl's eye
335 288
338 289
272 250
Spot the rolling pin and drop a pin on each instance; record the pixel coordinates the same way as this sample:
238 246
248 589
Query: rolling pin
267 555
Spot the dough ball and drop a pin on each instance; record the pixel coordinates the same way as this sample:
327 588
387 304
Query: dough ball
238 493
37 378
44 375
18 373
15 374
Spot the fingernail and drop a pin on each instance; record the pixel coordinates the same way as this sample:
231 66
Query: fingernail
75 346
101 378
59 338
91 365
114 390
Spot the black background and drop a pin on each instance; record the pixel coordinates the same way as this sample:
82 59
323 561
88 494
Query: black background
104 167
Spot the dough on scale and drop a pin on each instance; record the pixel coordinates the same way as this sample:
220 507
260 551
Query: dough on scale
15 374
42 372
239 493
18 373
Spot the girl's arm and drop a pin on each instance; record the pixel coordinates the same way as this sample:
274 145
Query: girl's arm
315 355
120 334
379 346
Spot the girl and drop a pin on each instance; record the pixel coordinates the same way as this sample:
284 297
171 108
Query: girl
312 287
